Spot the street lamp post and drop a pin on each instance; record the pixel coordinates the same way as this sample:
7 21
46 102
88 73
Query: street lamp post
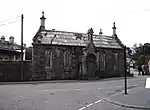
22 47
125 71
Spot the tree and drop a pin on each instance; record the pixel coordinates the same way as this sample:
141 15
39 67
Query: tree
141 53
141 60
136 51
146 49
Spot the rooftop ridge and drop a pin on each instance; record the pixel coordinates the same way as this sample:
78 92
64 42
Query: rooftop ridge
75 32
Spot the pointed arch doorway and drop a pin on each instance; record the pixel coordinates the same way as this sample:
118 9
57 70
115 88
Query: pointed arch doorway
91 65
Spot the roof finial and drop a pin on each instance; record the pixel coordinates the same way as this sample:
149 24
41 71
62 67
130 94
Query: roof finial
42 21
90 31
43 13
90 34
100 32
114 29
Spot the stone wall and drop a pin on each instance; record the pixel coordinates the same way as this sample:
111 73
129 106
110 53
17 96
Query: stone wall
53 67
10 71
112 68
44 70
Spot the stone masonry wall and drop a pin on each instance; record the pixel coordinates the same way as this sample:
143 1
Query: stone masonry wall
75 70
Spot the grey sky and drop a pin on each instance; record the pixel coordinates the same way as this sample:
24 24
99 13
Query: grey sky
132 17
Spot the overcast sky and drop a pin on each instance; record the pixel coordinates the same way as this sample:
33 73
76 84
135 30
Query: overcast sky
132 18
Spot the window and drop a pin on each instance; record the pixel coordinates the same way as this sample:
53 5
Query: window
102 60
48 58
116 64
67 59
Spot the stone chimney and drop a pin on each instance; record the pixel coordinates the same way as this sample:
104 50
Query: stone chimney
11 40
42 21
2 39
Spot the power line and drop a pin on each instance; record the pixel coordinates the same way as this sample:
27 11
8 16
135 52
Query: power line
9 23
2 22
14 20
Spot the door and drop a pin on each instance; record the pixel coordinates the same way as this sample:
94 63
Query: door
91 65
58 63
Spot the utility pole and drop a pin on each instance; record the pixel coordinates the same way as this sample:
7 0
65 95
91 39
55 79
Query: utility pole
125 71
22 47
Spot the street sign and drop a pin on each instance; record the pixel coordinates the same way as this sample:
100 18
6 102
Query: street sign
147 83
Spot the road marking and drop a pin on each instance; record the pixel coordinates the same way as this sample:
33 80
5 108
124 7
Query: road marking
89 105
82 108
147 85
97 101
123 91
78 89
118 86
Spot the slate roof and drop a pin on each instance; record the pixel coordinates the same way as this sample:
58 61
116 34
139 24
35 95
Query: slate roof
9 47
77 39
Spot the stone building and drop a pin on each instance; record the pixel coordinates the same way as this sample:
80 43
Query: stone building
9 50
72 55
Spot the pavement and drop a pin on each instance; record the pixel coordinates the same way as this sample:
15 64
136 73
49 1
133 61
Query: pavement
136 98
76 95
63 81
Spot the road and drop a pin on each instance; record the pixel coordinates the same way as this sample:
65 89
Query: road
76 95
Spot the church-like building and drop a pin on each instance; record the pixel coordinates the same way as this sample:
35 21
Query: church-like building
71 55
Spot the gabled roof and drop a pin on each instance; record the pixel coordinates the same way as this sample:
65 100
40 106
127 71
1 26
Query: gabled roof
76 39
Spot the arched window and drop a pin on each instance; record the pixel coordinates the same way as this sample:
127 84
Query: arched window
116 63
67 59
48 58
102 61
